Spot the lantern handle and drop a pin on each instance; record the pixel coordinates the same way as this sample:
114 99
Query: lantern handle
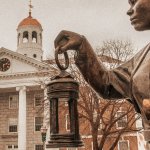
61 67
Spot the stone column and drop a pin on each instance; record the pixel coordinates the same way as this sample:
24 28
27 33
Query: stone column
22 118
46 109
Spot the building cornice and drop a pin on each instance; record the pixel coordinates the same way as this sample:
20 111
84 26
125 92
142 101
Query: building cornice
23 75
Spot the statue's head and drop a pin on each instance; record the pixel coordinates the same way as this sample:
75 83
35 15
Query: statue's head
139 13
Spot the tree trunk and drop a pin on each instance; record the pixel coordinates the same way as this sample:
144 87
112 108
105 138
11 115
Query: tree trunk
116 141
102 141
95 140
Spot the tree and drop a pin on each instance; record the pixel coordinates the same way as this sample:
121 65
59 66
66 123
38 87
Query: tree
95 111
103 115
118 51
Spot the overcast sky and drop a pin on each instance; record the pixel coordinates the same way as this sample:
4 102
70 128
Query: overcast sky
98 20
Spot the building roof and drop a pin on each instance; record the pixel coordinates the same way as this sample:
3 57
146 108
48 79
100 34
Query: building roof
29 21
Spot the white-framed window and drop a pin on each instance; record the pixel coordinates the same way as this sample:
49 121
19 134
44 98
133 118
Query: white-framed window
12 147
12 125
67 123
123 145
25 37
39 147
72 148
138 121
100 125
94 116
38 100
122 122
13 101
38 123
94 120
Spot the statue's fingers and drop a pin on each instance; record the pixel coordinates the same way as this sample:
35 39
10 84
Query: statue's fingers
70 45
67 46
62 35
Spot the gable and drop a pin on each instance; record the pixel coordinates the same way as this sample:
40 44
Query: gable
16 66
17 63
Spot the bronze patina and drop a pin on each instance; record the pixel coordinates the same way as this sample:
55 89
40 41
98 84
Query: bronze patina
63 86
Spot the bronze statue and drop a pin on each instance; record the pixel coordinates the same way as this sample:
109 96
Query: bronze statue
131 80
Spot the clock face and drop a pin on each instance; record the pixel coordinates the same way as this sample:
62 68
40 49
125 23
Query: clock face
4 64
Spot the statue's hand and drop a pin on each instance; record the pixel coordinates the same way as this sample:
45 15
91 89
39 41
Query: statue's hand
67 40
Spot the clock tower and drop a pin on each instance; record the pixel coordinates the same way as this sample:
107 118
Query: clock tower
29 39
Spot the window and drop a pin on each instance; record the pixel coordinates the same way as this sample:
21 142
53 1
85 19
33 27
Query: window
13 101
122 122
38 98
100 125
38 123
12 147
25 37
38 147
67 122
13 124
34 55
34 37
95 115
138 121
123 145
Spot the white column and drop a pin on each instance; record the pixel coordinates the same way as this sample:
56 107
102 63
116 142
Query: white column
22 118
46 115
46 109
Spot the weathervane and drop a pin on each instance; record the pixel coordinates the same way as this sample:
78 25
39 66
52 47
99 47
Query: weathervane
30 7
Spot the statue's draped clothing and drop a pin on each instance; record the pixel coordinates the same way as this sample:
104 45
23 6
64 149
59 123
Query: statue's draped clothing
130 80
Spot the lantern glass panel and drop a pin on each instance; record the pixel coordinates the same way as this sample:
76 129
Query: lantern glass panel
64 122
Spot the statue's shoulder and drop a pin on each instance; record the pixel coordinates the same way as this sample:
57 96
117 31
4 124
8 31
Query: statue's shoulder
139 56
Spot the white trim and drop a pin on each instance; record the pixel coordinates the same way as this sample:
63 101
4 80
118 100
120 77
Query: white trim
123 118
72 148
66 103
138 121
91 145
100 125
99 136
22 116
67 117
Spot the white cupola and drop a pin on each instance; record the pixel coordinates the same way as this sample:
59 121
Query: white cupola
29 37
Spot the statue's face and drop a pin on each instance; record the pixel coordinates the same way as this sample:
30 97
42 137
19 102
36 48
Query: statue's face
139 13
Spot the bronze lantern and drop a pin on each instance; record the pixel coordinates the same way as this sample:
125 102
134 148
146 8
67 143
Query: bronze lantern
63 86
